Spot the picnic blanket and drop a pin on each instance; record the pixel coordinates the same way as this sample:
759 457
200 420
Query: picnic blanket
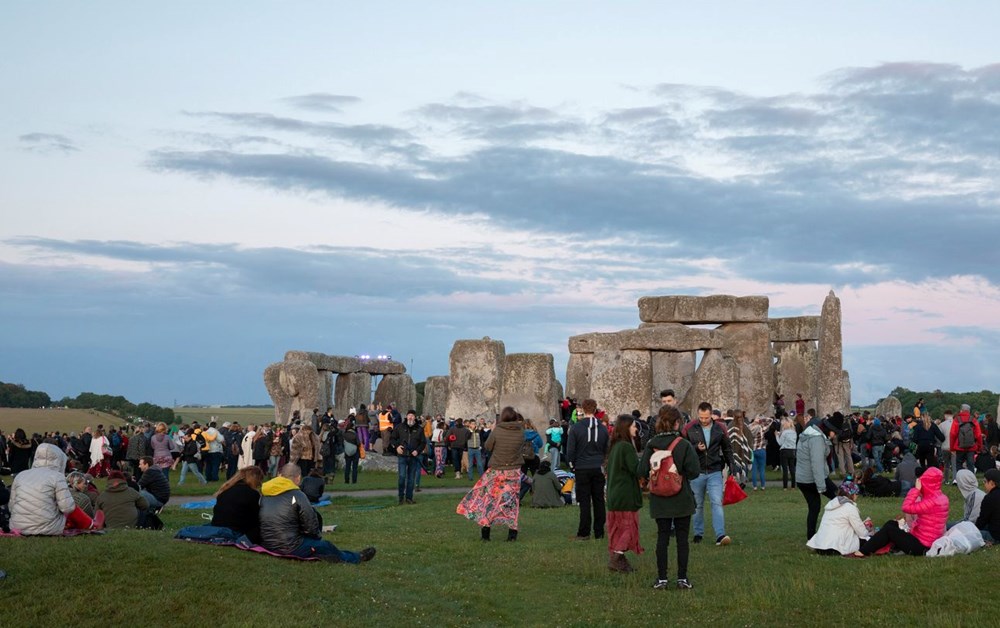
70 532
210 503
224 537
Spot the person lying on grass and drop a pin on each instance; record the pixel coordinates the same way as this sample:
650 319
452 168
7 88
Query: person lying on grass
929 504
290 525
841 530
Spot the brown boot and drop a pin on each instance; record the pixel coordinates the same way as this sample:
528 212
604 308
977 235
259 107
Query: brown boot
617 562
626 566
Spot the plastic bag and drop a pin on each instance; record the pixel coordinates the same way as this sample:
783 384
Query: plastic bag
732 493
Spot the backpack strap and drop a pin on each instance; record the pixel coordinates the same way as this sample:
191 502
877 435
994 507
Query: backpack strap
670 448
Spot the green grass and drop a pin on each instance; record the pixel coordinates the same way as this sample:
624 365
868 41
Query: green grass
431 569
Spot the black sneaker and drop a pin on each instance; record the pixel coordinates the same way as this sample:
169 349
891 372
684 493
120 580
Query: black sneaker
683 583
661 584
696 539
367 554
723 540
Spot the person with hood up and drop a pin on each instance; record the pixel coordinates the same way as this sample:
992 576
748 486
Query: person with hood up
40 501
877 438
289 525
965 439
811 471
929 504
841 530
906 472
968 486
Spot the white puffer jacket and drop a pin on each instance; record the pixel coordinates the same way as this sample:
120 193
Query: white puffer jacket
40 498
841 528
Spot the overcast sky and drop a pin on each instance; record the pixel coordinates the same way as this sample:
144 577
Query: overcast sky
189 190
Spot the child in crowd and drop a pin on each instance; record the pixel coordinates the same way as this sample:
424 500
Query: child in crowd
841 530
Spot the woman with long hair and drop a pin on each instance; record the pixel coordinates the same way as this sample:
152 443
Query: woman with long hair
739 437
494 498
926 435
164 450
624 495
237 503
20 452
100 454
671 513
787 440
440 449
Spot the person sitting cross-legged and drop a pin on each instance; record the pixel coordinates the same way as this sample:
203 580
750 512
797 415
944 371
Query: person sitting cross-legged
289 525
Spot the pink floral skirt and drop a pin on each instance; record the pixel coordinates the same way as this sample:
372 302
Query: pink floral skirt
623 531
494 499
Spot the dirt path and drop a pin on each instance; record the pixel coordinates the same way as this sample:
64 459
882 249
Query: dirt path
380 492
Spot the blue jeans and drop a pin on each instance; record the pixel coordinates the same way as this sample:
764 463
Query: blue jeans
193 466
476 460
877 452
759 465
351 468
322 547
213 460
154 504
554 456
408 468
711 484
987 537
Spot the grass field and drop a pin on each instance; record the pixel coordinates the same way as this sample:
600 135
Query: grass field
243 415
431 569
49 419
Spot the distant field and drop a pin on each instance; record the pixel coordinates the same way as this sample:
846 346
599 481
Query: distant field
243 415
35 420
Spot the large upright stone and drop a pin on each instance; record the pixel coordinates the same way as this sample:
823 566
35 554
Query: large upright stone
721 308
750 345
529 383
295 385
889 407
578 371
845 399
281 398
794 328
351 390
830 361
621 380
670 370
716 381
436 395
649 337
475 378
795 371
397 389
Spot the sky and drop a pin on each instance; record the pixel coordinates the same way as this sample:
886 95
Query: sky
189 190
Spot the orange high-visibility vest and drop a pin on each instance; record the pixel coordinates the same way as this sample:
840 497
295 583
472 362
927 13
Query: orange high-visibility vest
385 421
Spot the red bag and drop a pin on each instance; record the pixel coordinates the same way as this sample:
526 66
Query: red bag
664 480
732 494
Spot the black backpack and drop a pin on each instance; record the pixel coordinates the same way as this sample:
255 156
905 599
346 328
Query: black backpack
966 435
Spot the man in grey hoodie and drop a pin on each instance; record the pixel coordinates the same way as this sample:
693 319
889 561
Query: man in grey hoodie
811 471
968 486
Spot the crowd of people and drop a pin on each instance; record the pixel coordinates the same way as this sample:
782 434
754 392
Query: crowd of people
275 474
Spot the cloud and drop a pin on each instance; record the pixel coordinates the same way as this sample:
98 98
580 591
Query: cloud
321 101
47 143
365 135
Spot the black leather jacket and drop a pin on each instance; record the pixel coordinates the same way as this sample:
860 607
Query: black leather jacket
285 519
411 438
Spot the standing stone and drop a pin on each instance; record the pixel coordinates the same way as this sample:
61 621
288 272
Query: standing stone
671 370
830 361
475 378
578 371
889 407
301 381
557 397
716 381
352 390
720 308
436 395
281 398
397 389
529 381
845 399
750 345
795 371
621 380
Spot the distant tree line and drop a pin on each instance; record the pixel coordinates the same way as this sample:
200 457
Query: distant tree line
936 402
17 396
119 406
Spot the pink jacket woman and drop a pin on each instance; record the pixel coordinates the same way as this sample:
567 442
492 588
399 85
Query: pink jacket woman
930 506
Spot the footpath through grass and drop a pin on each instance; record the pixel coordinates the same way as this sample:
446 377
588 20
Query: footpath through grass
431 569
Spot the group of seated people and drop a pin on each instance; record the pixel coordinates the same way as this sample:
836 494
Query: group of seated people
924 517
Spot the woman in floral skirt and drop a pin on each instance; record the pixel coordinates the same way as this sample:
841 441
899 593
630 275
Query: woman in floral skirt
494 498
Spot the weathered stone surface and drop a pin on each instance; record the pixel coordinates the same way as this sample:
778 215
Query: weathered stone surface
578 371
436 395
281 398
528 385
557 397
721 308
352 390
650 337
845 399
398 389
621 380
794 328
716 381
300 388
830 361
383 367
889 407
324 362
671 370
750 345
795 371
475 378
